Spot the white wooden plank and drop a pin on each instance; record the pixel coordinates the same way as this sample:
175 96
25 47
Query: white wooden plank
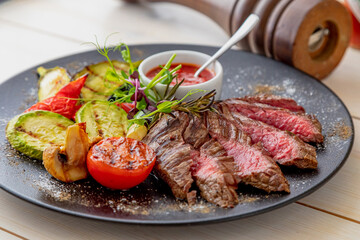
345 81
341 195
8 236
86 18
23 48
38 31
291 222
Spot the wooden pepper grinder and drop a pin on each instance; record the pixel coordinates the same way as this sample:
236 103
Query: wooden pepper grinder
311 35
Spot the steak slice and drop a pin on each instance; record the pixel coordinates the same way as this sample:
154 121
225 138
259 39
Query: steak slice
173 160
285 148
253 165
306 127
213 171
275 101
196 133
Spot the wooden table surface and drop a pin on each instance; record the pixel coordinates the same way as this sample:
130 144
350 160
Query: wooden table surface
32 32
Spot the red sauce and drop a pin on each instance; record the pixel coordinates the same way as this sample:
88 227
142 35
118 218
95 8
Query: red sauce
186 72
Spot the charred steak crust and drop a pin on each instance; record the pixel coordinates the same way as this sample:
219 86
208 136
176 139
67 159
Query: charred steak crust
286 148
275 101
173 161
213 171
196 133
306 127
253 165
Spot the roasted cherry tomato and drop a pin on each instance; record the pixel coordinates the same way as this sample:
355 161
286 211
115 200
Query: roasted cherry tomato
64 102
120 163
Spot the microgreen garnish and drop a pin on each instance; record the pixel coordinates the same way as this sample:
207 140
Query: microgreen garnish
148 104
169 75
158 76
141 105
126 55
105 52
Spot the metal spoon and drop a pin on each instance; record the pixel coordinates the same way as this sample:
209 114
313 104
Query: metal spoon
243 30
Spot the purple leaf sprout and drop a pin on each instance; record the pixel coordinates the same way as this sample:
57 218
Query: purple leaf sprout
139 92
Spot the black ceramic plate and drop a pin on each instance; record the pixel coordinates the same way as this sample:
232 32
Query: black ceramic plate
152 202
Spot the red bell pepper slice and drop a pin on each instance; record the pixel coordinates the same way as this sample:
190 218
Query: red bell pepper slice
126 106
64 101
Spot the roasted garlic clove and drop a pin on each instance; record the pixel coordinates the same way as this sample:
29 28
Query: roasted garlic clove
68 164
137 132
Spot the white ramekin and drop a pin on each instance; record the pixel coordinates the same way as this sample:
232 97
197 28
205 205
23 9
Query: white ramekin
184 56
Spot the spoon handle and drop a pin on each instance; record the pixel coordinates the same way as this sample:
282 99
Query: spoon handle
243 30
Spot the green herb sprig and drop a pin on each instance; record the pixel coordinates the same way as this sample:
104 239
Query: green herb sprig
104 51
149 112
196 106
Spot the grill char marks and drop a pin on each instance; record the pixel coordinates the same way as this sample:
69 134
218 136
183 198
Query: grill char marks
275 101
213 172
284 147
196 133
173 161
240 145
306 127
213 169
253 166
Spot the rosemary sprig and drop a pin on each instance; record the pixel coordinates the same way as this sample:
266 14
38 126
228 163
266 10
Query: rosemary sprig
199 105
195 107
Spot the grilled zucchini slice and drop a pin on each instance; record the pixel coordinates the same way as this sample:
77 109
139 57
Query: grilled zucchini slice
51 81
32 132
103 119
96 86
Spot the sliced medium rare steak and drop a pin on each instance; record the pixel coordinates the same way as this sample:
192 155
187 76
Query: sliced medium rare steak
275 101
284 147
306 127
213 171
253 165
174 159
